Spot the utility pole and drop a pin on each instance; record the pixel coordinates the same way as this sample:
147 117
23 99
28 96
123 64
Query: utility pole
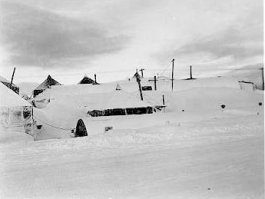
163 98
154 80
142 72
12 77
262 76
173 74
190 71
95 78
138 79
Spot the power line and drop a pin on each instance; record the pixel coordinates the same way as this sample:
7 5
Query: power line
53 125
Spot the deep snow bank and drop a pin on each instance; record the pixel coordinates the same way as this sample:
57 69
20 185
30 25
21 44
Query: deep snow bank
68 104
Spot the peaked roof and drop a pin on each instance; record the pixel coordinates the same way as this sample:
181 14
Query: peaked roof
87 80
4 80
47 83
136 75
9 98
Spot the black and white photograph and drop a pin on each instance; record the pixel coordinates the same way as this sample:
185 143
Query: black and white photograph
131 99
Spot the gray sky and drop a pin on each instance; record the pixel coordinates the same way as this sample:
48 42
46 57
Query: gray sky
71 38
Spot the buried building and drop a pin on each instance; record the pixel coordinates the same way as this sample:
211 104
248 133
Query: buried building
15 112
47 83
87 80
119 102
126 111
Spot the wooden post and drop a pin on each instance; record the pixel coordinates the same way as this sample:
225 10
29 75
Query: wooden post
12 77
262 76
163 96
155 82
142 72
173 74
33 125
140 89
190 71
95 78
138 79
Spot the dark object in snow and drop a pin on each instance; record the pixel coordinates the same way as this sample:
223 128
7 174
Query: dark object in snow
183 110
222 106
107 128
146 88
260 103
80 129
39 126
209 189
121 111
87 80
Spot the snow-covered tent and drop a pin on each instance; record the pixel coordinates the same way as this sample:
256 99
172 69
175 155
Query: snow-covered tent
118 102
15 112
87 80
8 84
44 85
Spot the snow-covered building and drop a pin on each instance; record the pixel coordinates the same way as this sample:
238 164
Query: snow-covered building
87 80
47 83
118 102
15 112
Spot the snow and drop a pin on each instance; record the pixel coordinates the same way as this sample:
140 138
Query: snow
12 136
9 98
213 159
194 149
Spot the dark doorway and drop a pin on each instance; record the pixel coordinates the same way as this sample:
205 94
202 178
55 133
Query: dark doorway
80 129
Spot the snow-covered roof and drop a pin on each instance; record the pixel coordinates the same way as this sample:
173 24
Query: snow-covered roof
87 80
115 99
9 98
47 83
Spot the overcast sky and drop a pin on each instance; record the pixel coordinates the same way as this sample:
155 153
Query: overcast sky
70 38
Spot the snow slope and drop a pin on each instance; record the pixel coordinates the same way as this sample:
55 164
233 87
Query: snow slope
220 158
249 73
67 106
195 149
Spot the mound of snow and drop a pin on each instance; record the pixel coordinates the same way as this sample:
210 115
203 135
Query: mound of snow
11 136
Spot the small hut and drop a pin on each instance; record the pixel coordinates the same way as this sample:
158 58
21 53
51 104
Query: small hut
44 85
87 80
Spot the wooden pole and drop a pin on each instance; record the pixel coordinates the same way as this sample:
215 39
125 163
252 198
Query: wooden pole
190 72
262 76
12 77
140 89
155 82
95 78
163 96
173 74
138 79
142 72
